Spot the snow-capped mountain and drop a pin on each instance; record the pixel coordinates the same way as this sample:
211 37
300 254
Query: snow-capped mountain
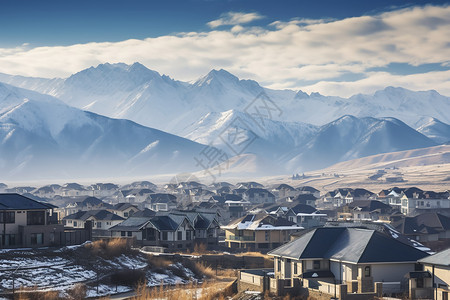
268 138
349 137
41 136
435 130
148 98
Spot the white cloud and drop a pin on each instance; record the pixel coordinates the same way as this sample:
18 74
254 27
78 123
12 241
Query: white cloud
285 55
234 18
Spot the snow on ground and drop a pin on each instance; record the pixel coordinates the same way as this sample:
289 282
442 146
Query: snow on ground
62 268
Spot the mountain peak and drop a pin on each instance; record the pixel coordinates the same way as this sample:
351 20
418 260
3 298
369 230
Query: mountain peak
220 76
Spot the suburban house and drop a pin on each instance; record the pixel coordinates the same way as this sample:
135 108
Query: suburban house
338 260
124 210
428 227
423 201
260 232
161 202
366 210
258 196
435 283
134 195
74 190
285 191
103 189
100 219
27 223
306 216
306 199
174 230
88 203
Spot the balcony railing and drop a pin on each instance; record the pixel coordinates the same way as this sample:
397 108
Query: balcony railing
241 238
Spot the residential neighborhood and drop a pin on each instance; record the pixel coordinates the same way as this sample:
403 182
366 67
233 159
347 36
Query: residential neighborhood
342 243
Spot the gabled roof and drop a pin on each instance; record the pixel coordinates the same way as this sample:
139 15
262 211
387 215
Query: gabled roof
441 258
303 208
426 223
284 186
131 224
261 221
352 245
123 206
101 215
369 205
19 202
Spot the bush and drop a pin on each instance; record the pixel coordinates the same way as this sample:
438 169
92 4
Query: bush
110 248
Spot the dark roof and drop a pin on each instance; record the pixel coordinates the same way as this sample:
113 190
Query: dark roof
91 201
419 274
162 198
441 258
103 215
369 205
131 224
349 244
302 198
145 213
426 223
123 206
284 186
16 201
303 208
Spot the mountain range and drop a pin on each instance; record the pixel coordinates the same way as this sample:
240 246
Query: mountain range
42 137
79 123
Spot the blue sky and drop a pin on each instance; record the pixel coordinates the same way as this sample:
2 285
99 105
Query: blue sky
334 47
61 22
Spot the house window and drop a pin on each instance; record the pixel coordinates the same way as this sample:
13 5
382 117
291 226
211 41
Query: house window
188 235
367 271
295 268
99 224
75 224
122 233
267 235
37 238
164 236
125 214
130 233
179 235
7 217
36 218
316 264
419 283
418 267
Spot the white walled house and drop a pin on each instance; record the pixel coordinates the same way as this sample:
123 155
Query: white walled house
100 219
357 258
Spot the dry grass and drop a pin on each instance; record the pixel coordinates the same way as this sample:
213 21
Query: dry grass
202 268
110 248
34 294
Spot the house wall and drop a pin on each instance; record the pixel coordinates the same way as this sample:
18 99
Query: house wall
391 272
441 274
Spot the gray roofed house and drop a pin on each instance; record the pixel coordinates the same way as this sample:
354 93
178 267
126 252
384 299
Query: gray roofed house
437 266
353 256
173 230
101 219
27 223
260 232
